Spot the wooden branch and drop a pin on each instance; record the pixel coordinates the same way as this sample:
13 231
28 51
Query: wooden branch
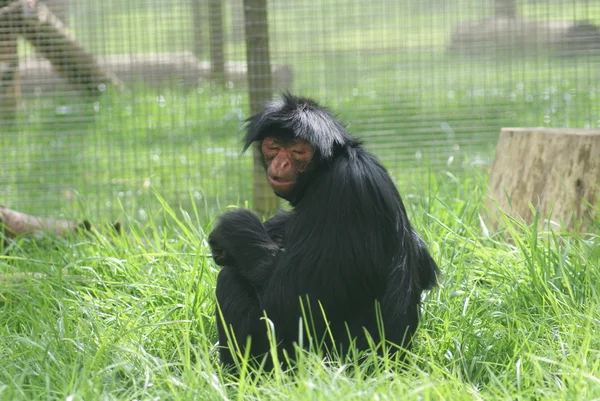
53 41
9 12
10 90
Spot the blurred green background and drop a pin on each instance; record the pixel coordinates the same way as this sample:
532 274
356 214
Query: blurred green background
394 71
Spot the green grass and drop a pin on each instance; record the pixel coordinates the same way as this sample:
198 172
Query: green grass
131 318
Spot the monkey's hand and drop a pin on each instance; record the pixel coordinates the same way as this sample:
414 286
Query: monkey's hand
239 240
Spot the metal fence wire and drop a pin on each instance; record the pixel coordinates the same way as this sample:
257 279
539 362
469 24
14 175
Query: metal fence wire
104 102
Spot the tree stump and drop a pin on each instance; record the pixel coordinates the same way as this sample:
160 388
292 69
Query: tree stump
556 171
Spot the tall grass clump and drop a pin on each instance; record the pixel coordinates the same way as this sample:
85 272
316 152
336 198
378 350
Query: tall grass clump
131 317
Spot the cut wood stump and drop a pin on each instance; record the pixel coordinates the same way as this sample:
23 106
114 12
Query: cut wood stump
553 171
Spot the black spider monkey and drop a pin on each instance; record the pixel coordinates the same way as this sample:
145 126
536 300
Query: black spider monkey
347 248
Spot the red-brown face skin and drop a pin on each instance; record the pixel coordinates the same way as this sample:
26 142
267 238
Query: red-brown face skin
284 160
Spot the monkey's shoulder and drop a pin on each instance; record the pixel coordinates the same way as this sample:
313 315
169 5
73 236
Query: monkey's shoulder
355 191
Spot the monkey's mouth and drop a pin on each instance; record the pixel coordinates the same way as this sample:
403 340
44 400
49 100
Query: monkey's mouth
280 184
275 178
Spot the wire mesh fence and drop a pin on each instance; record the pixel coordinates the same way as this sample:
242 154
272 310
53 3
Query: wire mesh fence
102 103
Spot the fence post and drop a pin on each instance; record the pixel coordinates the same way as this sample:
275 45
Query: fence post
198 21
217 41
505 8
259 91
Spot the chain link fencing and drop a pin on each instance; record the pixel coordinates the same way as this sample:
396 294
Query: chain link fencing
103 104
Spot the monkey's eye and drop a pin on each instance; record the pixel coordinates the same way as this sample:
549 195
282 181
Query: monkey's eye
273 148
299 152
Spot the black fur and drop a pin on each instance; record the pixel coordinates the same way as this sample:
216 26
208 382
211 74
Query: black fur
347 247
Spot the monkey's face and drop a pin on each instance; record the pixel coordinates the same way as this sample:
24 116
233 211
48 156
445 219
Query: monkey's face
285 160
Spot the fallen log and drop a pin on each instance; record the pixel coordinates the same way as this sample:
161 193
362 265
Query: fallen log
156 70
564 37
14 224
